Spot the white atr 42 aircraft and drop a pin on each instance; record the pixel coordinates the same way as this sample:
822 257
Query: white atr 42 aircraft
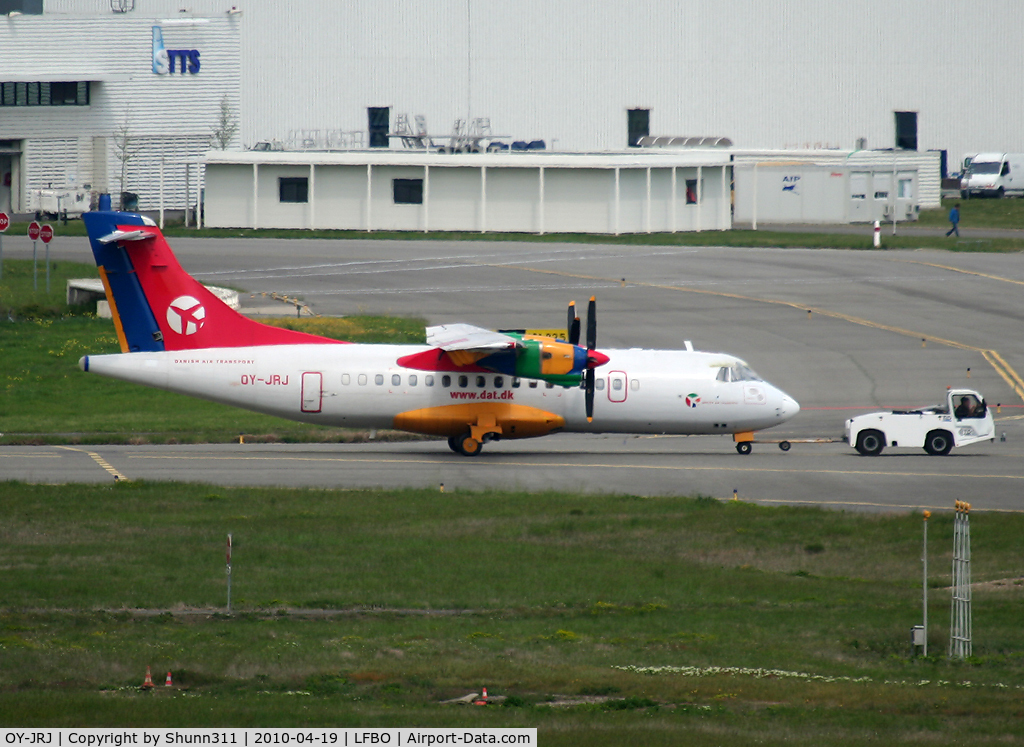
469 384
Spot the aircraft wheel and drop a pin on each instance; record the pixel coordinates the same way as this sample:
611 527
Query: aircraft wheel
784 445
744 447
938 443
467 445
453 444
870 443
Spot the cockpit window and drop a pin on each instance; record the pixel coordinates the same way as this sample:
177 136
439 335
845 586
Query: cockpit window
739 372
723 374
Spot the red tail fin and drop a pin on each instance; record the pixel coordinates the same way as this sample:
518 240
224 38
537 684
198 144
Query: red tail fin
187 314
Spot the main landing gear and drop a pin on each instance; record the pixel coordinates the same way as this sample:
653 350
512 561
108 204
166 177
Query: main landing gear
465 444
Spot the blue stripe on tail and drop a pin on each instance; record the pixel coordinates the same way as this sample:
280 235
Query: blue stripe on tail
140 328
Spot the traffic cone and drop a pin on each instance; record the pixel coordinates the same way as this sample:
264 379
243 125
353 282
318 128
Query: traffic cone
149 680
167 682
482 700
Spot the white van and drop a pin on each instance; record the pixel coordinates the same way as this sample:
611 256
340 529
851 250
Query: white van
993 175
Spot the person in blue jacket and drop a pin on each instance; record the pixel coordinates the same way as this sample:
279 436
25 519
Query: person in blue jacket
954 219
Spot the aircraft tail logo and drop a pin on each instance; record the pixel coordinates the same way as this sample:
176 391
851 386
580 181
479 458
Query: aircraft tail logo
186 315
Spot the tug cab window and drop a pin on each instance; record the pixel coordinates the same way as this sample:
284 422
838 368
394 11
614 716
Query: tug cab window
969 406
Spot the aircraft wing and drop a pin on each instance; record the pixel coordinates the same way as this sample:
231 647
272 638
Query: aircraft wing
451 337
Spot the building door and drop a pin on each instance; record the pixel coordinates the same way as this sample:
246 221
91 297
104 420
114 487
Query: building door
379 124
906 130
638 125
860 209
312 391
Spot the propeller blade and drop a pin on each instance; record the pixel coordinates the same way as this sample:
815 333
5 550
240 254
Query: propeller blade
573 325
590 394
592 324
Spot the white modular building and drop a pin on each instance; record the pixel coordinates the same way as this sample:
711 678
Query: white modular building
576 75
637 192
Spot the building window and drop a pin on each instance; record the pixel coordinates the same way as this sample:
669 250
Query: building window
293 188
691 191
906 130
66 93
408 191
638 125
379 123
27 7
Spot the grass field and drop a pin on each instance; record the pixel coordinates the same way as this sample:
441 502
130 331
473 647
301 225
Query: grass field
371 607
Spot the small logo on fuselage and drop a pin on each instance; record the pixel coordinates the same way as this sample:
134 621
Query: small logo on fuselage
692 399
186 315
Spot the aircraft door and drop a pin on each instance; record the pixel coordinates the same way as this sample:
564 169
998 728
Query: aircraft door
312 391
617 386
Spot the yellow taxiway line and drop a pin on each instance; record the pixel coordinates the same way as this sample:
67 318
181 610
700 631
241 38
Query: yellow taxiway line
99 460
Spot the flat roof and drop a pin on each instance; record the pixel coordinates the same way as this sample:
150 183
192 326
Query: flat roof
522 159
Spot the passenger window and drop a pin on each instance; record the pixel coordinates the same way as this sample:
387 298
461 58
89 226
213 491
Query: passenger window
549 385
396 380
379 379
446 381
463 381
362 379
499 382
617 385
516 381
346 379
634 384
1006 168
533 383
412 379
481 382
428 380
599 385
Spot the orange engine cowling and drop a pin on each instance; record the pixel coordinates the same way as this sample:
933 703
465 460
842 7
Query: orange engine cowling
504 419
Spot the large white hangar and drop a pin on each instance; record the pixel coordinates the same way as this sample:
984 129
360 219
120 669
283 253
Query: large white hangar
77 76
635 192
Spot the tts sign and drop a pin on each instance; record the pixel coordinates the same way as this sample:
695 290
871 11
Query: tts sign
33 230
164 59
46 233
5 222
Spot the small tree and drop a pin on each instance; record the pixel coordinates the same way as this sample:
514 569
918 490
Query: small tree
126 147
227 126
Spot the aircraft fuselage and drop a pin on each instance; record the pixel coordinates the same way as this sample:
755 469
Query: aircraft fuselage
362 386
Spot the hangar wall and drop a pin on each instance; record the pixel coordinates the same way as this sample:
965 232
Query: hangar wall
798 74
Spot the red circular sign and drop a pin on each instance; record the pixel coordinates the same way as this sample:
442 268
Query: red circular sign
5 222
33 230
46 233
